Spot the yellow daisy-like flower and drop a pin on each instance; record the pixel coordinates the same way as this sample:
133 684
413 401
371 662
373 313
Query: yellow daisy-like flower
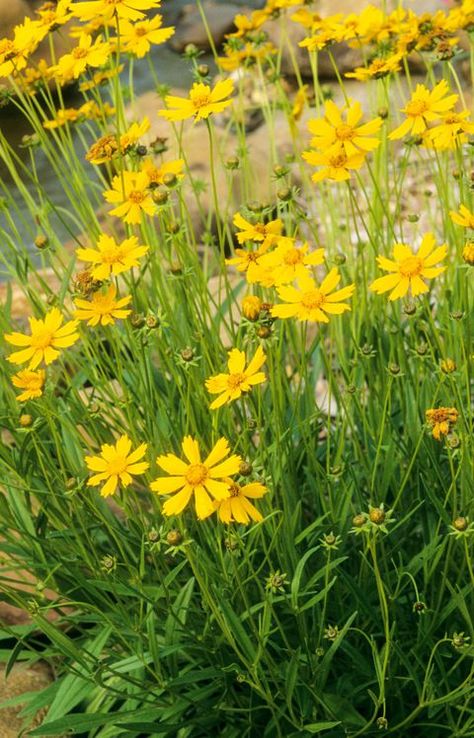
201 103
130 191
103 309
230 386
203 479
116 464
267 233
134 133
311 302
468 253
47 337
450 132
335 163
105 10
441 420
138 37
333 129
424 107
156 174
408 268
378 68
463 218
287 262
237 508
247 260
112 258
88 53
30 382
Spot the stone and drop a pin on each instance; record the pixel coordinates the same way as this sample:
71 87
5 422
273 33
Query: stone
12 12
190 28
22 679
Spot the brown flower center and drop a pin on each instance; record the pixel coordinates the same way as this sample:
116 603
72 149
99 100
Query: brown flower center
200 101
234 490
137 196
196 474
79 53
235 380
338 160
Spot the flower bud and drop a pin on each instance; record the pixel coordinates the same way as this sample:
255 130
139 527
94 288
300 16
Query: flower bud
460 524
377 516
245 469
187 354
358 520
41 242
174 537
26 420
169 179
251 306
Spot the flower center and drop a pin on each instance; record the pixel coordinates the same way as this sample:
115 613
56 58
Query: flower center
196 474
102 304
312 300
117 466
338 160
234 490
111 256
200 101
293 257
41 339
344 132
79 53
136 196
235 380
416 107
140 31
411 266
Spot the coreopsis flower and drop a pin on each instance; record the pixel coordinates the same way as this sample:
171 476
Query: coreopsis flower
134 133
251 307
299 103
63 117
203 479
287 262
88 53
333 129
452 131
267 233
468 253
201 103
247 24
130 192
137 38
31 382
237 508
313 302
48 335
14 54
105 10
248 55
156 174
334 164
231 386
247 260
103 308
408 268
463 218
378 68
52 15
116 464
112 258
424 107
441 420
98 78
102 150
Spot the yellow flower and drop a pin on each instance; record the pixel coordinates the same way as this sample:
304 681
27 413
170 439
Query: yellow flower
463 218
87 53
134 133
247 260
468 253
300 102
251 306
201 478
105 10
98 78
63 116
104 149
156 174
52 15
424 107
453 130
14 53
47 336
116 464
286 263
441 420
334 130
112 258
202 101
230 386
408 268
334 163
130 191
138 37
267 233
378 68
237 507
311 302
29 381
103 309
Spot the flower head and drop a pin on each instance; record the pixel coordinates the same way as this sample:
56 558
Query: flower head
463 218
237 507
137 38
341 127
112 258
453 130
468 253
334 163
88 53
116 464
424 106
408 268
266 233
105 10
156 174
130 192
103 309
230 386
287 262
31 382
310 302
48 335
441 420
201 103
196 477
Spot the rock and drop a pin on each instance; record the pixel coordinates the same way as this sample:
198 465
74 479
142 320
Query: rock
190 28
21 680
12 12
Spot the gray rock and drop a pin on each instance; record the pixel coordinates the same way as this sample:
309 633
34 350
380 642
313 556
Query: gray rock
190 28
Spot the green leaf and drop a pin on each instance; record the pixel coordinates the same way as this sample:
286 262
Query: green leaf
319 727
